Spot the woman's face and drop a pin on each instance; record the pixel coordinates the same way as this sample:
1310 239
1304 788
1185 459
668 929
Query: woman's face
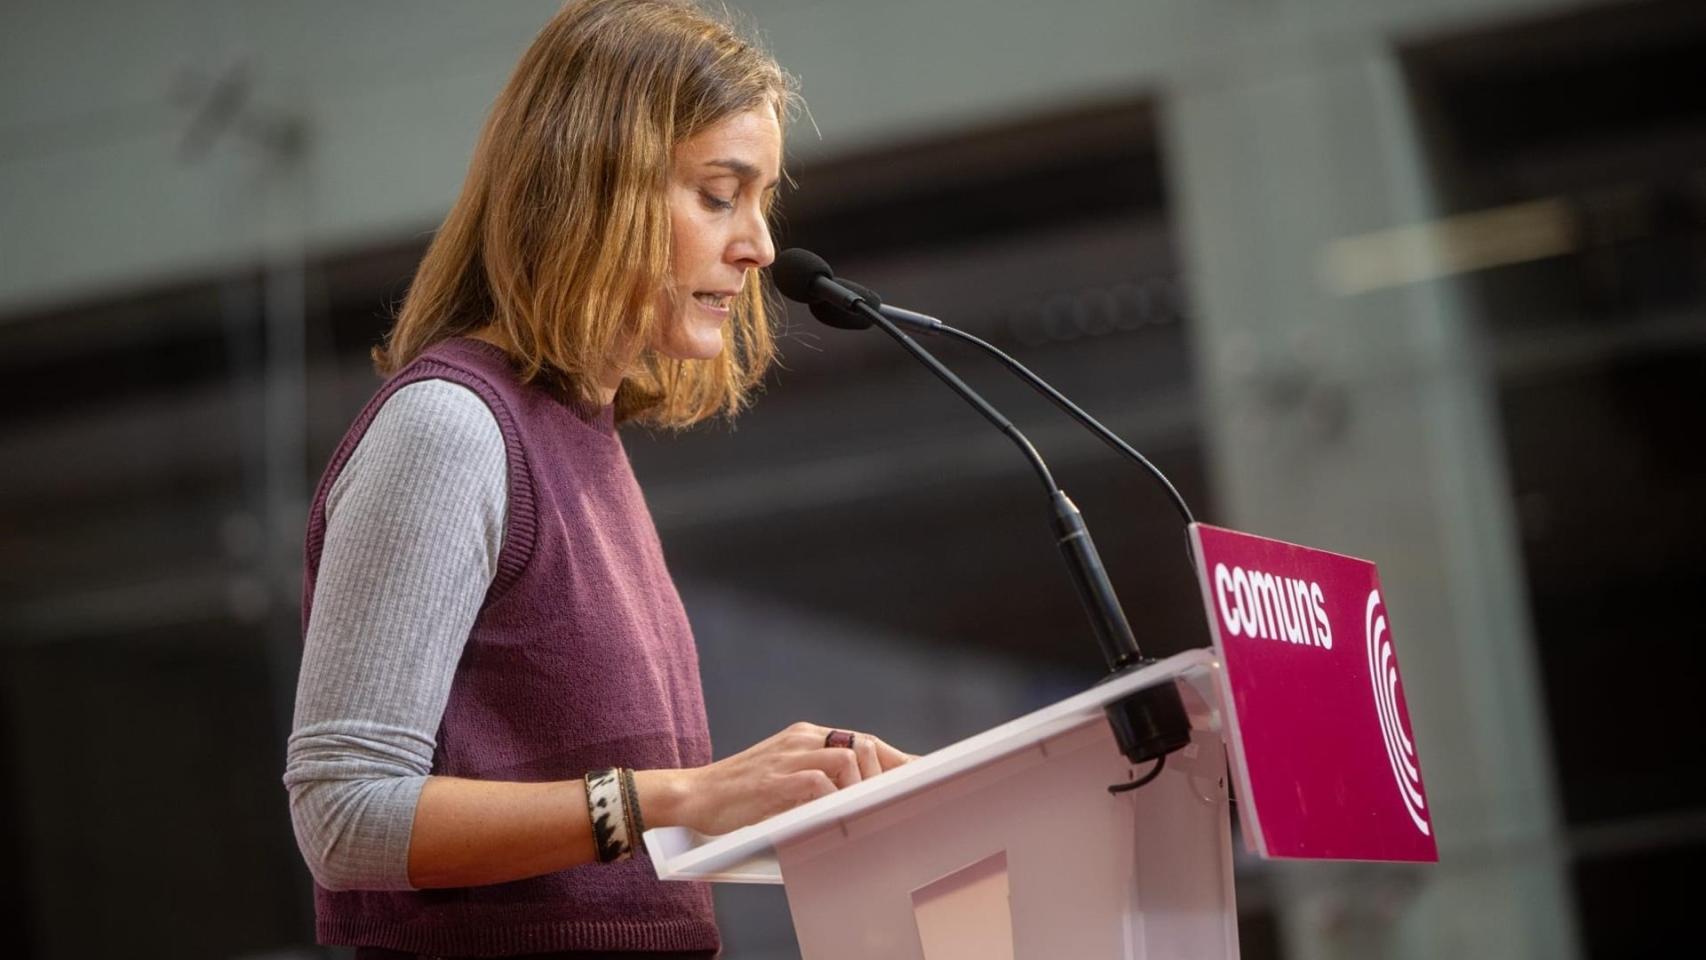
720 186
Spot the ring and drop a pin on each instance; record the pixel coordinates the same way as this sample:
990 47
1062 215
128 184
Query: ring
839 738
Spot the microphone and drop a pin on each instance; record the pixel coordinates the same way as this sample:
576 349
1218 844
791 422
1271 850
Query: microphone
835 316
854 320
1148 724
804 277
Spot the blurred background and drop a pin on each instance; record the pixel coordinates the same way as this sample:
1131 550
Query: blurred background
1415 281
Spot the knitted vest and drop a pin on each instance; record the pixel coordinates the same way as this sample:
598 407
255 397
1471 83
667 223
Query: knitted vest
580 658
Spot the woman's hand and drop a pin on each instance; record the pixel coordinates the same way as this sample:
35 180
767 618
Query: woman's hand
779 773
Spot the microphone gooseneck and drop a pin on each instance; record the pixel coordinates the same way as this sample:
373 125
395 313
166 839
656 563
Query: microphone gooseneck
804 277
1074 411
1147 724
847 319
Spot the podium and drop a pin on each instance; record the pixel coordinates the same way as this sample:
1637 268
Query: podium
1007 845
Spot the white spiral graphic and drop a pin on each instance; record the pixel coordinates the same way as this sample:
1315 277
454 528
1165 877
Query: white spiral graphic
1383 677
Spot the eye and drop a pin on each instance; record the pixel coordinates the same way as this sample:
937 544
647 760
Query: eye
714 202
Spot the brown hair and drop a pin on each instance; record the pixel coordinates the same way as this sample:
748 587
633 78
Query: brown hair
561 235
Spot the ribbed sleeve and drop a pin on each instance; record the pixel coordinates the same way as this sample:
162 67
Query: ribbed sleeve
413 536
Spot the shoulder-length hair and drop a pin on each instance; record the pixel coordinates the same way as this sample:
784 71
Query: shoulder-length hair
561 235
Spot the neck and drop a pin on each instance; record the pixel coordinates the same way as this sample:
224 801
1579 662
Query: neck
607 389
606 393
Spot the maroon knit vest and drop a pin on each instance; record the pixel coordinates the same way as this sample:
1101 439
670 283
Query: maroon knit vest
581 657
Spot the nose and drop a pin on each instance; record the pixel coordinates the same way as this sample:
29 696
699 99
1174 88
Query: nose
752 247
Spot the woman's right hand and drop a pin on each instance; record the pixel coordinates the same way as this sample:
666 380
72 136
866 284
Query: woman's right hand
776 774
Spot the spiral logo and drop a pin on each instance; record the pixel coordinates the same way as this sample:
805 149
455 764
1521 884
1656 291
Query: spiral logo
1383 677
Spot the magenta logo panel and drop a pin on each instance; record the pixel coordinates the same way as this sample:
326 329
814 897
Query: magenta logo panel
1323 753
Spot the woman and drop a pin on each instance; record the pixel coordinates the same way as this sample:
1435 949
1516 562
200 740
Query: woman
499 688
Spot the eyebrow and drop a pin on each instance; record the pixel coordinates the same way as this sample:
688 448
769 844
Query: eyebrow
741 169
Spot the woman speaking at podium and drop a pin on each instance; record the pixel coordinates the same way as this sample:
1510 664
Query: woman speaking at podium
499 688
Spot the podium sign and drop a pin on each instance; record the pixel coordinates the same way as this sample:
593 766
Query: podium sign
1323 755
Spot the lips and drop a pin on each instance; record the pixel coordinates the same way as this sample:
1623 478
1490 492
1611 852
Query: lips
716 300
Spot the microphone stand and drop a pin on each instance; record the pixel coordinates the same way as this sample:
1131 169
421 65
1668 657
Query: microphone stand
1147 724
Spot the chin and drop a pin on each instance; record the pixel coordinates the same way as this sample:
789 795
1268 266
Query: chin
694 347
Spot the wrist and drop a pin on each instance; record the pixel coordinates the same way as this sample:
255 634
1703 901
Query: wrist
664 796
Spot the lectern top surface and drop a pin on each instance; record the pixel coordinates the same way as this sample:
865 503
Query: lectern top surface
747 855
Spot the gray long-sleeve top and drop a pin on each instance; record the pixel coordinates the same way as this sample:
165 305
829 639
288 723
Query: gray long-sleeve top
414 526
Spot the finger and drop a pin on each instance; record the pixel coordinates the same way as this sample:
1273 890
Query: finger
838 762
807 736
865 749
888 757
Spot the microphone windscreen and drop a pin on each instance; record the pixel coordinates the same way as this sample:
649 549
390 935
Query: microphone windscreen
794 271
836 316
